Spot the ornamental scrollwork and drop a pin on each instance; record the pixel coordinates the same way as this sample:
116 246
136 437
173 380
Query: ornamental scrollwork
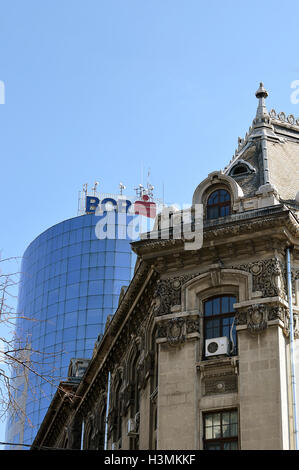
264 277
257 316
176 329
168 294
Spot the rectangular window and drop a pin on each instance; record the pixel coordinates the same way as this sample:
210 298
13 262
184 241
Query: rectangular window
219 320
221 430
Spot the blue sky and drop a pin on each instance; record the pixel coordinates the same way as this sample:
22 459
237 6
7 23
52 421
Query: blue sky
98 90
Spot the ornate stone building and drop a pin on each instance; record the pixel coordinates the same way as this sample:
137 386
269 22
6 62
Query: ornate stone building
198 352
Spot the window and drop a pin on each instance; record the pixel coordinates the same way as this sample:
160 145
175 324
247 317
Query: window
219 320
242 168
218 204
221 430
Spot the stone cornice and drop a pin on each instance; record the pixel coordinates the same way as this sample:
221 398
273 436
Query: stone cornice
250 222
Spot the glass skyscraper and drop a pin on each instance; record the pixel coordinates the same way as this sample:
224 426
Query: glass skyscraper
70 282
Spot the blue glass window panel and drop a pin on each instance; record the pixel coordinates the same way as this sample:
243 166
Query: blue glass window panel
74 263
74 250
63 266
85 261
86 233
122 259
95 246
89 344
94 273
65 238
49 340
73 277
95 287
71 305
90 331
58 337
69 334
101 259
108 301
60 308
51 326
84 274
109 258
122 273
62 280
109 272
62 293
232 302
81 331
110 245
72 291
108 286
94 301
93 317
83 288
53 296
82 302
93 261
86 247
70 319
80 344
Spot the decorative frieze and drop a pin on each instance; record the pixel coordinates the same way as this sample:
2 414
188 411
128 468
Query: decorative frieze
267 277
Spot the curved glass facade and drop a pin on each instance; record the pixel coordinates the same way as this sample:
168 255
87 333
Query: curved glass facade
70 283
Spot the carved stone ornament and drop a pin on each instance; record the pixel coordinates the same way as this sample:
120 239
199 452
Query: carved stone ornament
176 329
168 294
257 318
265 274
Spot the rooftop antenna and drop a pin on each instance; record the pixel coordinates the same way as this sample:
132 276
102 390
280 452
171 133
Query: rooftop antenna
121 188
85 186
94 189
140 190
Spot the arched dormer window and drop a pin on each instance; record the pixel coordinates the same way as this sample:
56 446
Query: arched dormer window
241 168
218 204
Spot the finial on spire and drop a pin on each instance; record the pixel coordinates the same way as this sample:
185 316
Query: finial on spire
261 95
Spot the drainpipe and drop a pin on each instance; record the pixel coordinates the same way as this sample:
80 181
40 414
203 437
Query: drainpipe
293 376
107 412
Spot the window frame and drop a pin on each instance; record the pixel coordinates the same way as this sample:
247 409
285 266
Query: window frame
218 205
219 316
220 440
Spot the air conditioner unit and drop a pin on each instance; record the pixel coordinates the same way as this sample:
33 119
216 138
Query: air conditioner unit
217 346
132 427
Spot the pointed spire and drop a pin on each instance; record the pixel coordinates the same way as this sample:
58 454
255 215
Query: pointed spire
261 94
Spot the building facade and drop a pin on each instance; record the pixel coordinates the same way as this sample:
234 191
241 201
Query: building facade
203 349
72 276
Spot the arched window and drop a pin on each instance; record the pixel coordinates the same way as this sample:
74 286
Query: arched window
240 169
218 204
219 320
